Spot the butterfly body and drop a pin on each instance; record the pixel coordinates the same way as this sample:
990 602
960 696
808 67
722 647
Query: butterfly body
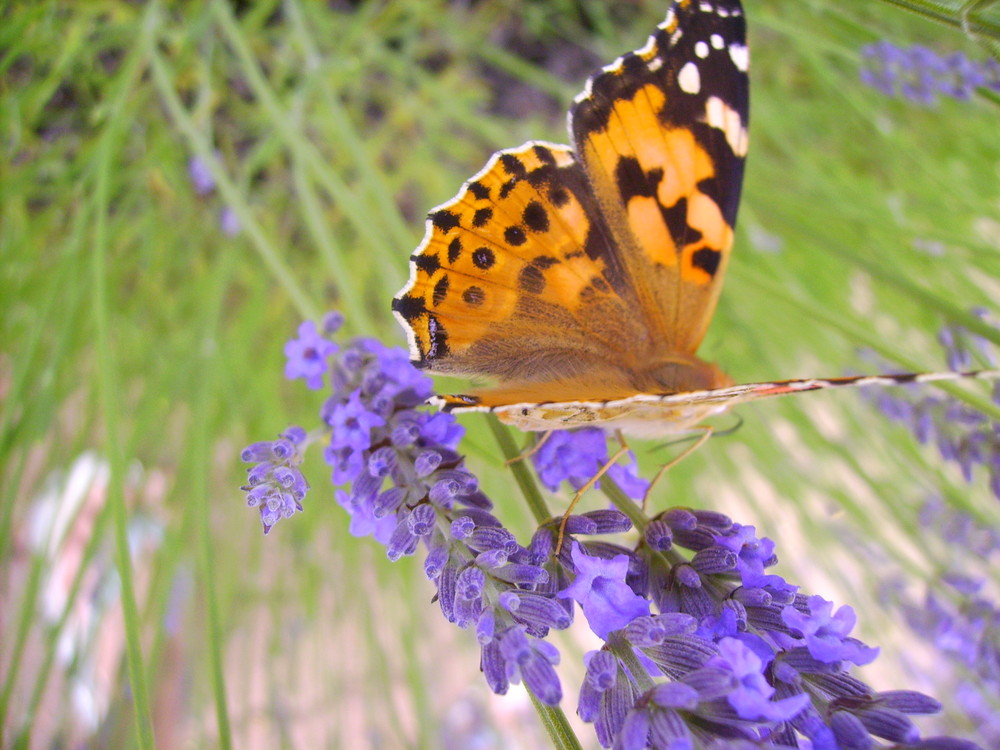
632 415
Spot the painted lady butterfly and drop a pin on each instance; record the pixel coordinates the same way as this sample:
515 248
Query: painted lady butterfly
583 279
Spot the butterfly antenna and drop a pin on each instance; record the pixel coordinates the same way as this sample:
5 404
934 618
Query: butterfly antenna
732 430
706 432
533 446
716 433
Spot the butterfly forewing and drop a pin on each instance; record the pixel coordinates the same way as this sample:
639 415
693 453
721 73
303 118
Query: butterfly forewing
662 135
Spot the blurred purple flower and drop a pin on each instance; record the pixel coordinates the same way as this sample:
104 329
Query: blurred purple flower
921 75
201 176
229 222
962 434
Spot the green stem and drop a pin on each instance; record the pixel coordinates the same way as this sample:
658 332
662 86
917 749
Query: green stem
556 725
233 197
109 387
971 22
519 468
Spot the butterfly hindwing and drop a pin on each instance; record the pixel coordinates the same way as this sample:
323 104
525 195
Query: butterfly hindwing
662 135
511 281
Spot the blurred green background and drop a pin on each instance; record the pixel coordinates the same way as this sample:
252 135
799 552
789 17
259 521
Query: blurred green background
142 327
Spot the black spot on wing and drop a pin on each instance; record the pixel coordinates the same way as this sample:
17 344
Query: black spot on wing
633 181
675 217
444 220
483 258
409 307
479 190
515 236
426 262
454 250
725 187
481 217
544 155
535 217
707 259
473 296
600 284
559 196
592 113
440 291
513 166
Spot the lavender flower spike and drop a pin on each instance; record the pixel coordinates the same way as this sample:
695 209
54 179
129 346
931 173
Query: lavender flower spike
703 646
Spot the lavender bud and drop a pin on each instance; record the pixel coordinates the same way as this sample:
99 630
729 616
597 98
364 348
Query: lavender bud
426 463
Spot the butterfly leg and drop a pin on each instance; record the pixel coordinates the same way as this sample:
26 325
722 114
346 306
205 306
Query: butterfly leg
622 450
707 431
530 451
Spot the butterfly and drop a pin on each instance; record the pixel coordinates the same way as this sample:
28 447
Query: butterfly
583 278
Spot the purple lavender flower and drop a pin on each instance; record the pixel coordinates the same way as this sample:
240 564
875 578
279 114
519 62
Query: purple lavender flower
746 672
703 646
826 632
308 356
274 483
513 655
600 590
408 487
576 456
920 74
751 699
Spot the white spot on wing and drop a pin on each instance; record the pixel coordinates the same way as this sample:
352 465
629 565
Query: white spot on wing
655 64
717 41
741 56
689 79
720 115
701 50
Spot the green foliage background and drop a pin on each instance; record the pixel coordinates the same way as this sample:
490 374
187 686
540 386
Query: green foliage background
141 347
